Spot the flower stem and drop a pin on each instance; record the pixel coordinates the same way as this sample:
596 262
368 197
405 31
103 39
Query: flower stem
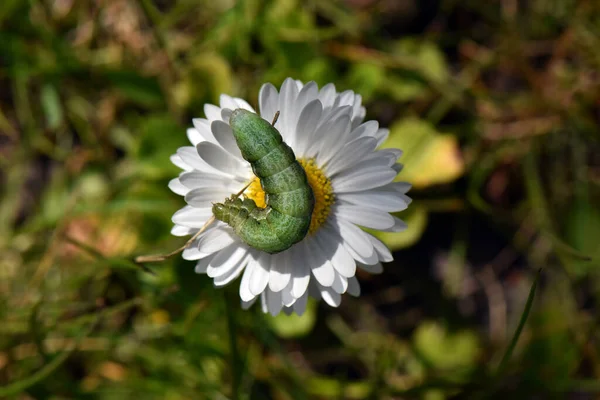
517 334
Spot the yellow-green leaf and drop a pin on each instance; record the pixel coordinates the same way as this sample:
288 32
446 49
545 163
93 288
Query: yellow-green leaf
429 157
288 326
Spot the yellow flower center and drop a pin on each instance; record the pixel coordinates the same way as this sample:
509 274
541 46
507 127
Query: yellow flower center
321 187
256 193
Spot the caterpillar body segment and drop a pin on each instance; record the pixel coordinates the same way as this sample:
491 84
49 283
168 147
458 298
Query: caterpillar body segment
289 198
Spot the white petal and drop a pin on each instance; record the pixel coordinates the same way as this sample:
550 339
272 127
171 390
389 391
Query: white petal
381 249
353 287
219 159
224 136
177 187
190 157
340 259
233 273
354 237
268 100
263 302
372 259
247 304
331 144
260 275
340 284
178 162
202 126
363 216
197 180
204 197
202 264
192 217
345 98
212 112
307 123
287 107
226 114
274 303
215 239
348 155
179 230
226 101
245 293
227 259
327 95
279 275
241 103
300 304
384 200
320 266
381 135
373 269
192 253
364 179
401 187
398 226
286 295
368 129
300 270
308 93
330 296
194 136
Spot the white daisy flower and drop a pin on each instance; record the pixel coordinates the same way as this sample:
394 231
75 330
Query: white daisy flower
351 180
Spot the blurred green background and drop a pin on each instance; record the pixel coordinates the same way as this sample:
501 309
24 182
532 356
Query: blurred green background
495 103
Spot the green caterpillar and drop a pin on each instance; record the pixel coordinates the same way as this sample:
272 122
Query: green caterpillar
289 198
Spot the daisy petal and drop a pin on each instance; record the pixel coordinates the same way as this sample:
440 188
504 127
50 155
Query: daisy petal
279 275
274 303
177 187
321 267
364 216
202 264
260 275
215 239
232 274
219 159
224 136
192 217
300 304
362 179
373 269
340 284
268 100
330 296
227 259
212 112
179 230
353 287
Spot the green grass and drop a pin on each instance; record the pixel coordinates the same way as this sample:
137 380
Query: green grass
497 111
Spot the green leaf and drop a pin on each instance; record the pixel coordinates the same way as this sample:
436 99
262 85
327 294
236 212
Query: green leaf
366 79
426 55
289 326
583 231
160 137
206 78
430 157
51 106
144 90
452 351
